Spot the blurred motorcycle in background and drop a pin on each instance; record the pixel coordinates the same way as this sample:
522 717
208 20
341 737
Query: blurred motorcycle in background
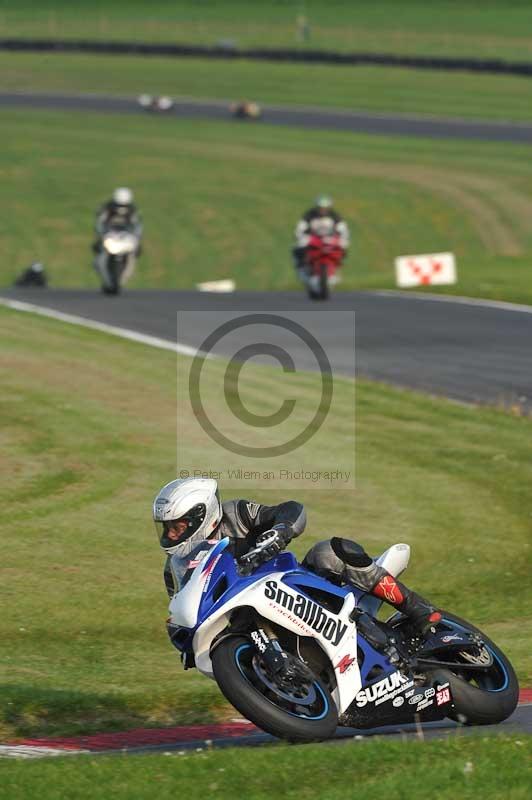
323 258
246 110
158 103
115 263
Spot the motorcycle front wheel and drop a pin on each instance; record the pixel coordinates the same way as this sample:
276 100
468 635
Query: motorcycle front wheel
114 271
324 282
297 709
320 290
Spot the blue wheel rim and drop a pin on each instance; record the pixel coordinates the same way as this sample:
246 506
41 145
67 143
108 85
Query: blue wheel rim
317 687
500 664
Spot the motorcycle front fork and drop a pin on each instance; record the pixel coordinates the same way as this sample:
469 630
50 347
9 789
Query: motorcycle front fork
268 647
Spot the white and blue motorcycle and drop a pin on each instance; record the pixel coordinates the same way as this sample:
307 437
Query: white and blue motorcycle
298 655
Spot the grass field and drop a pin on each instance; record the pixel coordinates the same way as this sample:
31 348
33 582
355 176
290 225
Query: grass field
444 27
88 436
377 89
221 199
472 767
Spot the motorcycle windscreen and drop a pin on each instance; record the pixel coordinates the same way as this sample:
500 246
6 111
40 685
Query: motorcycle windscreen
182 568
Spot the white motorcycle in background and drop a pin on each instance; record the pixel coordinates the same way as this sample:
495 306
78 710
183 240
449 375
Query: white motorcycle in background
157 103
115 263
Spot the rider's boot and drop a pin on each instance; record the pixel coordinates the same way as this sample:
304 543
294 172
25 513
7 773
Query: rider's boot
298 254
302 274
421 614
364 573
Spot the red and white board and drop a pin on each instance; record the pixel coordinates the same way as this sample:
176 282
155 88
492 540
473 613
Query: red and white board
433 269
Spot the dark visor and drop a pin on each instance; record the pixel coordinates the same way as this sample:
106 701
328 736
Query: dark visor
193 518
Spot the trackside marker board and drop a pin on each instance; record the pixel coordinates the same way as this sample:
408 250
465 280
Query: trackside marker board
432 269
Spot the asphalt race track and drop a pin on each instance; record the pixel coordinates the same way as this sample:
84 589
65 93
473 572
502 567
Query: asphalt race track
520 722
241 733
467 351
318 118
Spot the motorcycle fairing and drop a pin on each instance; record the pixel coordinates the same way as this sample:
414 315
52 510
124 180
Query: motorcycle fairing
340 647
281 591
118 242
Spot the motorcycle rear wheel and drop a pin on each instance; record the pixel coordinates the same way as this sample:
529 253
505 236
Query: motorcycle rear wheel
303 713
485 697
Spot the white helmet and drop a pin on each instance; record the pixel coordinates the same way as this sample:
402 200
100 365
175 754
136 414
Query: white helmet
194 501
324 201
123 196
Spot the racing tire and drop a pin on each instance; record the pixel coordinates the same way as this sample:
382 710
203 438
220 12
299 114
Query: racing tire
324 283
114 275
236 667
313 295
485 704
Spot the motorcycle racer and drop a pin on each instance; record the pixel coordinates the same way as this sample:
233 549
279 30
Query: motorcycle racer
188 513
321 220
118 212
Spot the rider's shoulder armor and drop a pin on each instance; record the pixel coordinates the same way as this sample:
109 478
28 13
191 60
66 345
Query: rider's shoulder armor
236 519
314 212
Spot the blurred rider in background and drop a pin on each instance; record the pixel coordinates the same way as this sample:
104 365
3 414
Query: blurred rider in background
118 212
321 220
190 516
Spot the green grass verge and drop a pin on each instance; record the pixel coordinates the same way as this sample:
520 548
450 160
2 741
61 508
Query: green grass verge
468 767
446 27
374 89
88 436
221 199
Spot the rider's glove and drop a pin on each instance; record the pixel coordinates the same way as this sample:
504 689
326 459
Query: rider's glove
280 535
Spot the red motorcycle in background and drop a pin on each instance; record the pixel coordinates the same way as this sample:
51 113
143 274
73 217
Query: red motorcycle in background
323 259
